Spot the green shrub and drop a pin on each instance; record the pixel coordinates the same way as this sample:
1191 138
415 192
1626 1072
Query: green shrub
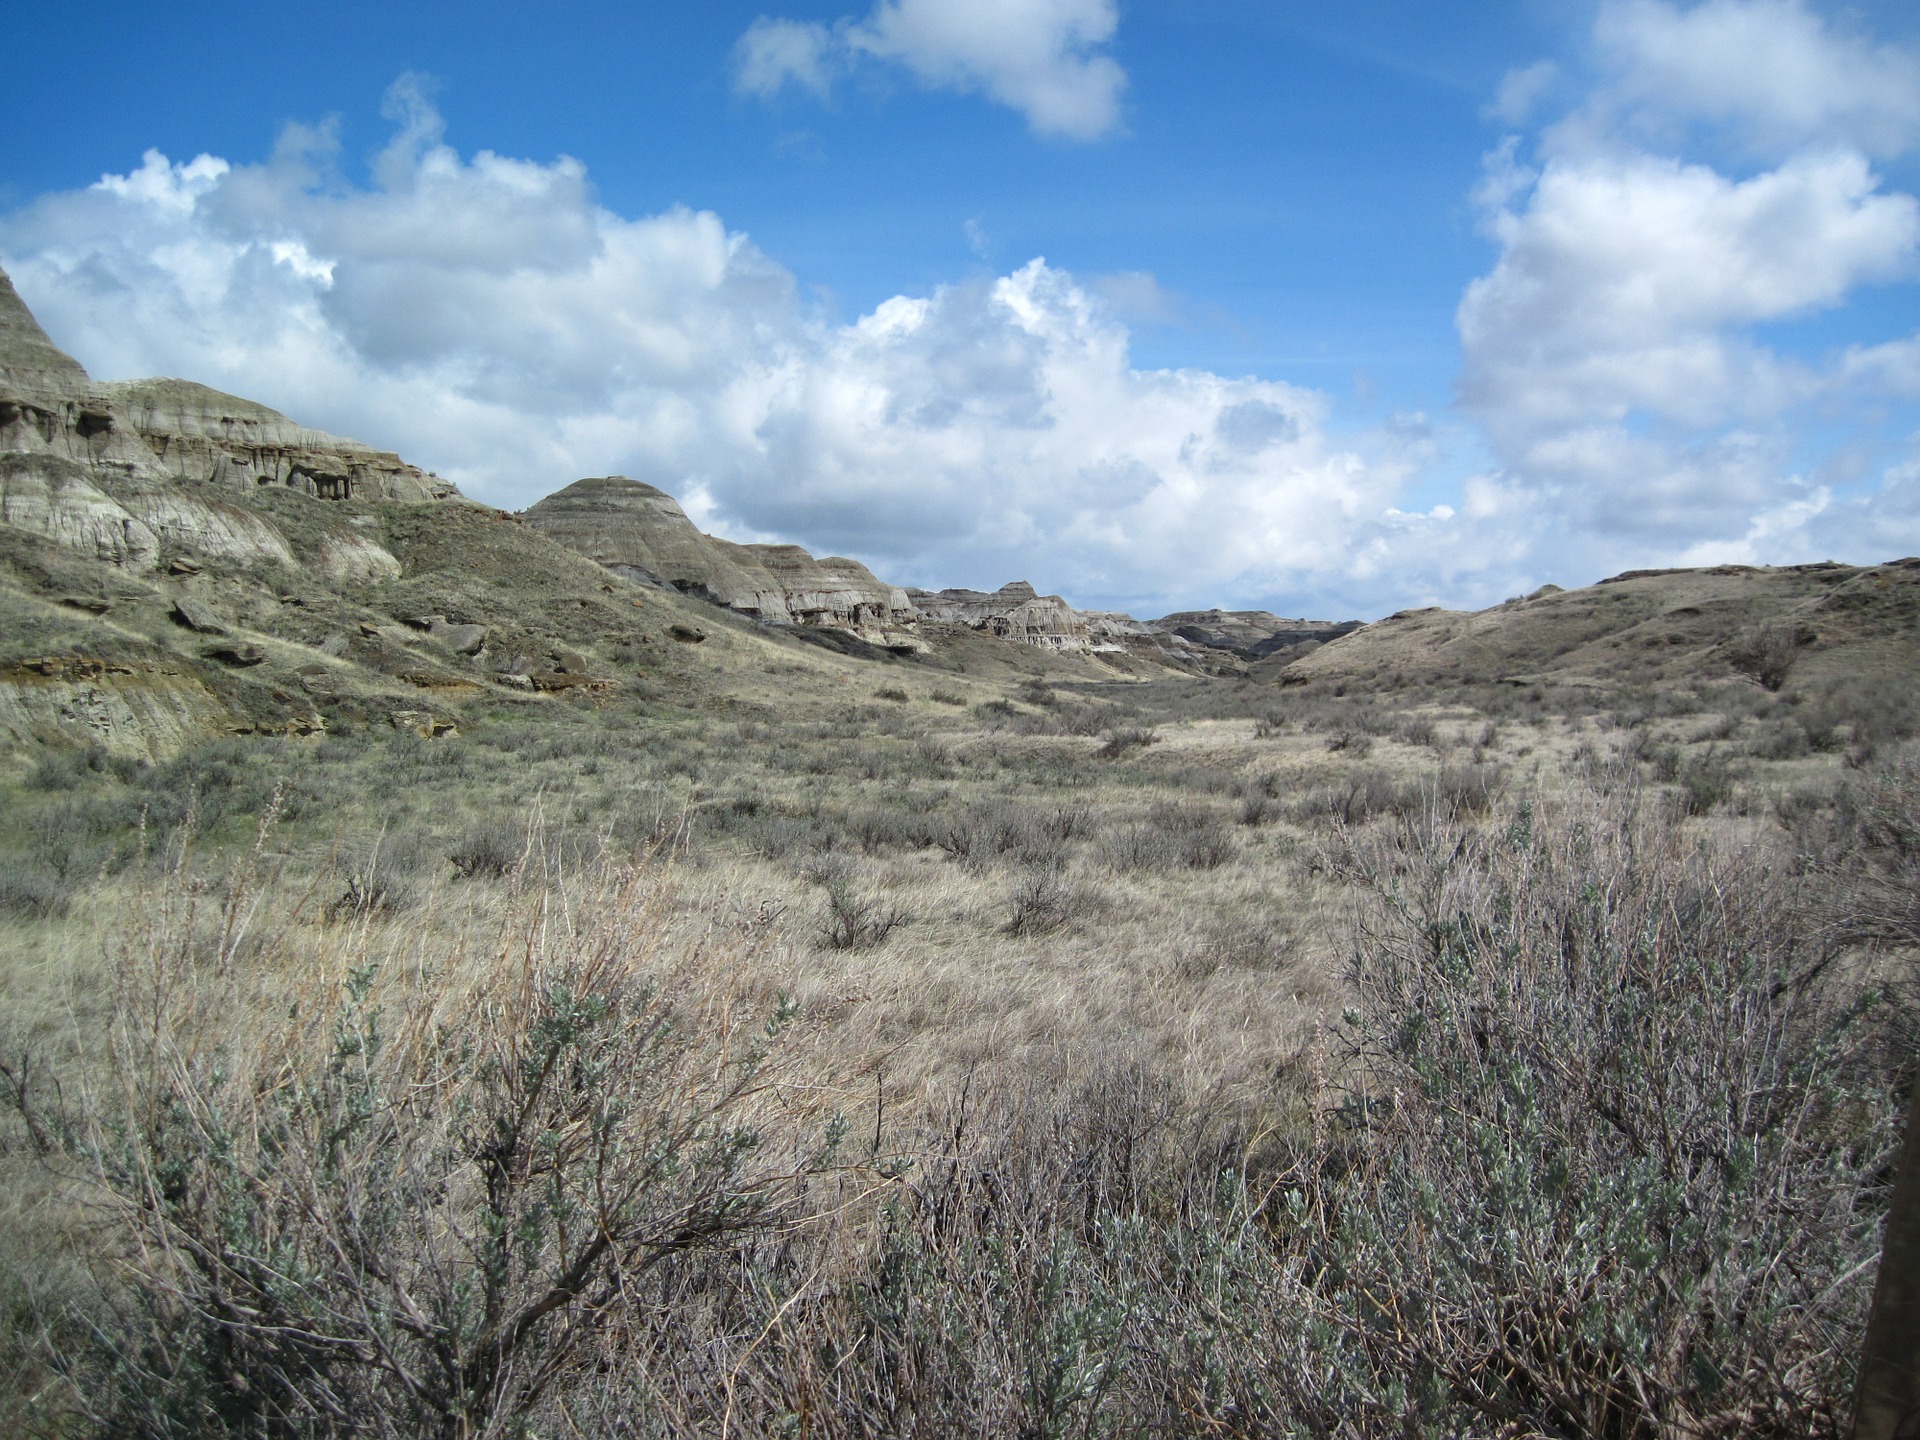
30 890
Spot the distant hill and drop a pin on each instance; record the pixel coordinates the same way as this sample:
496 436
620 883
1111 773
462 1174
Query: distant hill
1792 624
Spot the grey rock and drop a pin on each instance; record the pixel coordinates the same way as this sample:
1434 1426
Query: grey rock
197 618
1013 612
640 532
236 652
1250 634
461 639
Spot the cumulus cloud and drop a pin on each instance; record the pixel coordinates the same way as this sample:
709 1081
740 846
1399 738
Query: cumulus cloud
1772 68
1043 58
1617 351
486 317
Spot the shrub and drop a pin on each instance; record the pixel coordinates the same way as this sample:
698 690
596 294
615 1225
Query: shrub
893 693
1356 743
1042 903
490 850
1122 738
1038 692
407 1212
853 921
31 891
1605 1167
1767 651
383 883
65 768
1172 838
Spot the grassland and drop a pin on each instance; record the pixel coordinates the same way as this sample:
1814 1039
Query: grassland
1078 1091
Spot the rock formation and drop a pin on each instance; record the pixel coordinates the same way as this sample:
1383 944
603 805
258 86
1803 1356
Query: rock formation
1250 634
1016 611
640 532
157 431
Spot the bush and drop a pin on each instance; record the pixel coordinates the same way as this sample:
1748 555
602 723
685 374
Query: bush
999 829
1172 838
1122 738
1606 1166
853 921
31 891
491 850
384 883
411 1213
1767 651
1042 903
68 769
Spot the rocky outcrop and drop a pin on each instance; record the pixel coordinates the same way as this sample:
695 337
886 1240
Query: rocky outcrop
146 711
639 531
161 431
1016 611
1250 634
53 498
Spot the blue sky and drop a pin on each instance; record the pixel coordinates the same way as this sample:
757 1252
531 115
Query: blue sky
1342 308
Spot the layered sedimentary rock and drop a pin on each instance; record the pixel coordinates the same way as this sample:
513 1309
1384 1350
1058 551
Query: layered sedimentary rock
1250 634
161 431
642 533
1016 611
123 472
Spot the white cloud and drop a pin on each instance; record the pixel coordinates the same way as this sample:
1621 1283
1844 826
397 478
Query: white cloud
1624 280
773 53
1617 351
483 316
1773 68
1521 90
1043 58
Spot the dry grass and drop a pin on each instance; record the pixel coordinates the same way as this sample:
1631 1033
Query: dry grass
1049 950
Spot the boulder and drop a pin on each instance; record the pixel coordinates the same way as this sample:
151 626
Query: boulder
196 617
354 558
422 723
461 639
236 652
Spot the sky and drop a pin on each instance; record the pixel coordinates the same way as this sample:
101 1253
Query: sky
1157 304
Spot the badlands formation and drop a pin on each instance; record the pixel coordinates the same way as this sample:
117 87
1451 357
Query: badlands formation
176 562
120 471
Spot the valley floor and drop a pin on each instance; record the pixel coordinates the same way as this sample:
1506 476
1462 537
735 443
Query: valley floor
962 1057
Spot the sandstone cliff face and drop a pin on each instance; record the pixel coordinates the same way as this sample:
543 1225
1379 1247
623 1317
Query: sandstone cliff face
642 533
1016 611
53 498
170 430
